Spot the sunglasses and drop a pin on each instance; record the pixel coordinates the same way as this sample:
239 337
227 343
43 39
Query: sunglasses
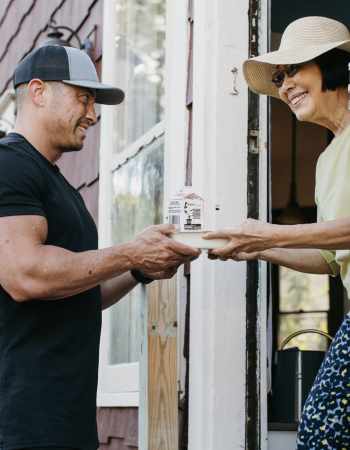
279 76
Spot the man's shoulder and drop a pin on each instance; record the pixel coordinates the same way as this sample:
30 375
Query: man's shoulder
17 163
15 150
11 140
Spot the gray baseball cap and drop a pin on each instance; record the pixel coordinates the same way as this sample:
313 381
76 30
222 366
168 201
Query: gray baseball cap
69 65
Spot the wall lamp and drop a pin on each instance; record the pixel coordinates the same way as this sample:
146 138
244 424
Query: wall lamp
56 37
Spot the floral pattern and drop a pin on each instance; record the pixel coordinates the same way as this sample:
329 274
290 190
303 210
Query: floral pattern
325 422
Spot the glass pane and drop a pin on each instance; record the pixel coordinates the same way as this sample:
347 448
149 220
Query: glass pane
289 323
137 203
7 119
140 53
303 291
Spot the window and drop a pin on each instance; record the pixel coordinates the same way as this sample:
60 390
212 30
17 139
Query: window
139 52
303 304
137 203
7 112
131 173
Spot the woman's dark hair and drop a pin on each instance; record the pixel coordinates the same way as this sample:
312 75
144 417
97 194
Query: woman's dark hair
334 69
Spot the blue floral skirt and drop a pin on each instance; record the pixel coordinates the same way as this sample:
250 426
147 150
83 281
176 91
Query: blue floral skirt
325 422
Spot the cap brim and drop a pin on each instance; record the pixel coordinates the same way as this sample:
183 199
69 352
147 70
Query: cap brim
105 94
258 71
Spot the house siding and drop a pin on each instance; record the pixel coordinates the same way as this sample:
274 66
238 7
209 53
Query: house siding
23 27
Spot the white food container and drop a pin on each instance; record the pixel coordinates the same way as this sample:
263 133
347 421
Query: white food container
186 212
195 239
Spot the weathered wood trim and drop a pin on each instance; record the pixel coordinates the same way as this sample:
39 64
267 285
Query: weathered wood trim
257 273
176 135
252 339
162 407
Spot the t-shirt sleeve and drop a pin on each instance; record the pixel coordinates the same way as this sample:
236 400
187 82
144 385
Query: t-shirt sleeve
21 185
327 255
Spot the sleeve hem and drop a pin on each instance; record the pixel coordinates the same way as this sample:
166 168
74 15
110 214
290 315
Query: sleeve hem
329 257
7 212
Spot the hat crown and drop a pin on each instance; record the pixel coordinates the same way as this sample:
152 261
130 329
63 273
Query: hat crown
313 30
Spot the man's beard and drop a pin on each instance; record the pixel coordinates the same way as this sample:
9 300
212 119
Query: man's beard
72 146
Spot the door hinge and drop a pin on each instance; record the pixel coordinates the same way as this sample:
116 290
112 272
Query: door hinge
253 141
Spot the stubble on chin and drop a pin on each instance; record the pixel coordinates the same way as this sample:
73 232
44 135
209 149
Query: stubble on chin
74 147
71 143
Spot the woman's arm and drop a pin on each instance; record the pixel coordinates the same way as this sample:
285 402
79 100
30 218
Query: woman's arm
302 260
330 235
254 235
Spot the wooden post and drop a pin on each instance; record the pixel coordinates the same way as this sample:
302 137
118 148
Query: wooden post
159 402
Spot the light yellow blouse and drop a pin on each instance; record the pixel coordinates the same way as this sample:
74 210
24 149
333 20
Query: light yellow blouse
332 196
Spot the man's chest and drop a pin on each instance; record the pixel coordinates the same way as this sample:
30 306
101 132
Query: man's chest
70 224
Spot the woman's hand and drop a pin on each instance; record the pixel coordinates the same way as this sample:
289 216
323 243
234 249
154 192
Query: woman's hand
245 242
242 256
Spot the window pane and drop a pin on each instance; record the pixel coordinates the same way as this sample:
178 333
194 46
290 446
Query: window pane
289 323
303 291
7 119
139 45
137 203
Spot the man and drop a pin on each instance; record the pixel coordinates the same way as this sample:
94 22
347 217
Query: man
53 279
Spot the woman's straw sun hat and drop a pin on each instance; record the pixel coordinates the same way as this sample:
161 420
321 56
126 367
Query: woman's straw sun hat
303 40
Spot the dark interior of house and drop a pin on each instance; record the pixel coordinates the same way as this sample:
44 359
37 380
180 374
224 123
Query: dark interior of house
299 301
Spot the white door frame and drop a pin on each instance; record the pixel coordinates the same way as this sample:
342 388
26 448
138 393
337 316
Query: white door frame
218 289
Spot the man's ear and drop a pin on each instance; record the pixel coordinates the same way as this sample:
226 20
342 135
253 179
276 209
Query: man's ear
37 91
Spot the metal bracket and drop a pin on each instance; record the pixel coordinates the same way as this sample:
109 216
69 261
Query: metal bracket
234 72
253 141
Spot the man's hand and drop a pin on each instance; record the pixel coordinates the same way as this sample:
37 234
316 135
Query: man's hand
158 256
245 241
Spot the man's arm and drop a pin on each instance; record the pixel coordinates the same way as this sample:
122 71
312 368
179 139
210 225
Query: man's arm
32 270
116 288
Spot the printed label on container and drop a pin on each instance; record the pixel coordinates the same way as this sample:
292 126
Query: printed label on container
185 211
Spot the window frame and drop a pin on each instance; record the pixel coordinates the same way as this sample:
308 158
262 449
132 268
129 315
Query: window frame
124 391
217 413
119 384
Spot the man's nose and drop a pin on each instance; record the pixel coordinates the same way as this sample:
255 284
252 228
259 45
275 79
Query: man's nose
91 114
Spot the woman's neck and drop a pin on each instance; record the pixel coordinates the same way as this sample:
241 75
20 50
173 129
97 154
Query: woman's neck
338 114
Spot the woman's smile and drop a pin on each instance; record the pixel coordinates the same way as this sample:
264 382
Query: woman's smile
297 98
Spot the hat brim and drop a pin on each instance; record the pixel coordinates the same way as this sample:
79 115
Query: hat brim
105 94
258 71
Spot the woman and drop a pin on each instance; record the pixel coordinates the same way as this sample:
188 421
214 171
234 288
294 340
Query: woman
309 73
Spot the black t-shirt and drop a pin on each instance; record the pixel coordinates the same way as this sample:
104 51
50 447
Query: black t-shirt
48 349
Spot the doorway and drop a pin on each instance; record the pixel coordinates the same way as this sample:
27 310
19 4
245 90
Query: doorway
299 301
